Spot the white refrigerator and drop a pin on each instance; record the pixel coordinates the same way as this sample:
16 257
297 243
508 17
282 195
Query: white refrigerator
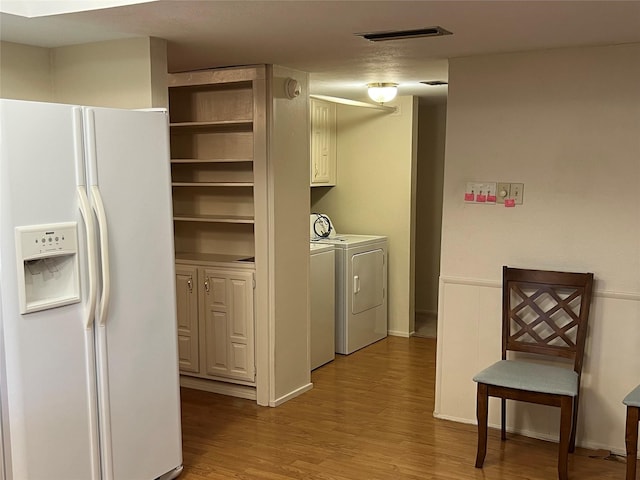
88 338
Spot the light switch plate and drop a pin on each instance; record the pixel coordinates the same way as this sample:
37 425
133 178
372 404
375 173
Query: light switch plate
517 192
480 192
490 192
471 191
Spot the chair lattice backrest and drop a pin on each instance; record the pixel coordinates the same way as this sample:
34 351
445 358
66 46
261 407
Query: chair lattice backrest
546 313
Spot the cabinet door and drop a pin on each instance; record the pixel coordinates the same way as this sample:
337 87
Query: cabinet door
323 143
187 301
228 324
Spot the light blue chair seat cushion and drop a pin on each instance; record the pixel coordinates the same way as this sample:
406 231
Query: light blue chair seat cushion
633 399
532 377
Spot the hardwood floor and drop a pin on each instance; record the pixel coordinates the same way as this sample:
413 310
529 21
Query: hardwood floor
369 416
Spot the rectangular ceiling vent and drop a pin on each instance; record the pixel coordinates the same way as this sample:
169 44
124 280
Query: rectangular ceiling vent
404 34
434 83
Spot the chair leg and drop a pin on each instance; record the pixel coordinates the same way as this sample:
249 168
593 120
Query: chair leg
482 410
574 423
503 419
566 407
631 440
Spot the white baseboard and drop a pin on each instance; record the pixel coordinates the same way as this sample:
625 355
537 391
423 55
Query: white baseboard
230 389
290 395
396 333
536 435
453 419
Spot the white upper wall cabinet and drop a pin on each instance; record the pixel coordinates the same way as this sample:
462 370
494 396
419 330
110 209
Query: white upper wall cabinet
323 143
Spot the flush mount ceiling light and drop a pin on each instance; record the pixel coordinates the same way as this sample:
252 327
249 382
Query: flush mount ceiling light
382 92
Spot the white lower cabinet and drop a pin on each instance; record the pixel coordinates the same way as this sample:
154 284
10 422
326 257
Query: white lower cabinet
187 301
215 323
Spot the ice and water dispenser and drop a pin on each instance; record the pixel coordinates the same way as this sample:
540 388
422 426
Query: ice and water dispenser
47 258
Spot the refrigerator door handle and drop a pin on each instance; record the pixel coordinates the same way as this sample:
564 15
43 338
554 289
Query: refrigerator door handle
98 207
87 216
85 210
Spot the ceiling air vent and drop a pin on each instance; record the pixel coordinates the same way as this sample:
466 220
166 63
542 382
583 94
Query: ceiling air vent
404 34
435 83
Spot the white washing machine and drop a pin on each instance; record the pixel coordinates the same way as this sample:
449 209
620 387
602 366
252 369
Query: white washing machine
322 298
361 284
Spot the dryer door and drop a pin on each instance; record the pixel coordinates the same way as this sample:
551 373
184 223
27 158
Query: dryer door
368 280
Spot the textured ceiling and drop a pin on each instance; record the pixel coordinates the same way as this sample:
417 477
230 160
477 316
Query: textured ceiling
318 36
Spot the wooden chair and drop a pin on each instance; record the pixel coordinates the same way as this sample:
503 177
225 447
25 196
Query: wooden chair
543 313
632 401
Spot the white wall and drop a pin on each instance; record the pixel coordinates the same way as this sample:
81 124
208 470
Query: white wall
288 193
117 73
129 73
430 178
566 123
375 192
25 72
158 69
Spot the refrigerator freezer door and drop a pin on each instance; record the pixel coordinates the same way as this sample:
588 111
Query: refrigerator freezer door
47 382
137 342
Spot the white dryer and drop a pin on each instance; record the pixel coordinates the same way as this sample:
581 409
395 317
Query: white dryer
361 284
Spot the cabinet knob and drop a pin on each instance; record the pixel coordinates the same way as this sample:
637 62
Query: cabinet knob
190 285
206 284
